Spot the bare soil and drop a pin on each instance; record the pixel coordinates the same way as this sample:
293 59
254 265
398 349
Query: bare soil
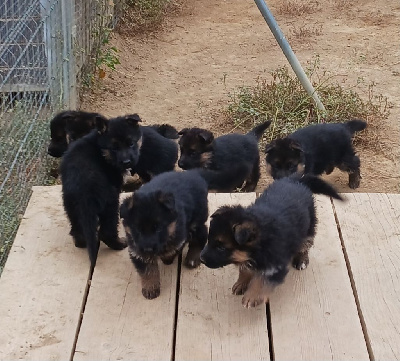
182 73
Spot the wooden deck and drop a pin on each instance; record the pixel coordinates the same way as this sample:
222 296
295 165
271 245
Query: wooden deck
344 306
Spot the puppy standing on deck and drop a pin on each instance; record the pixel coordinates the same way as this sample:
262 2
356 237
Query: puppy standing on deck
166 213
265 237
92 174
199 149
316 149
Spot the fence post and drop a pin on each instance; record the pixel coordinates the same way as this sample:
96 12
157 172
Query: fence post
68 57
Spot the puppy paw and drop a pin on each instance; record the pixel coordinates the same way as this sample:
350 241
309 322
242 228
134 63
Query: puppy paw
192 262
151 293
80 243
251 302
120 244
300 262
239 288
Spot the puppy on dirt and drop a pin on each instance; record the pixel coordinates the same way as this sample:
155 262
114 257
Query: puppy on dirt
163 215
92 174
199 149
265 237
316 149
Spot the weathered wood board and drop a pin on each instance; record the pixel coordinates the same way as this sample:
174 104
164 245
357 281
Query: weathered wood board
43 284
370 226
212 323
314 314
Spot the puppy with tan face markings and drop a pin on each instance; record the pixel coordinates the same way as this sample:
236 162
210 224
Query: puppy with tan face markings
265 237
316 149
199 149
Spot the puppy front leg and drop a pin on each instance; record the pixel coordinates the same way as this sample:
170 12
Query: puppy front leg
197 241
150 276
258 291
241 285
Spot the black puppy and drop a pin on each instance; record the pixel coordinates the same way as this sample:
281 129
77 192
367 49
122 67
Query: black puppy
68 126
199 149
316 149
166 213
92 174
263 238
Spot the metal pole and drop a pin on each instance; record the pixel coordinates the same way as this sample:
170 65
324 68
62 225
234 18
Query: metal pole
287 50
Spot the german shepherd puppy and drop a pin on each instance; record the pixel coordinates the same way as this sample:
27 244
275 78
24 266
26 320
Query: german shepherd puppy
68 126
265 237
163 215
316 149
92 174
199 149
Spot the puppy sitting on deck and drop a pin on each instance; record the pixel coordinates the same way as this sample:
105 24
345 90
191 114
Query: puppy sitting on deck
199 149
316 149
265 237
166 213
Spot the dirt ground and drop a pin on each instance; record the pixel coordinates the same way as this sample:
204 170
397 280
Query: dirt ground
182 74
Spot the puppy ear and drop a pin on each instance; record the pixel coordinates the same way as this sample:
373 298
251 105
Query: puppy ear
269 147
133 119
101 124
218 212
167 200
295 145
183 131
206 136
245 232
125 207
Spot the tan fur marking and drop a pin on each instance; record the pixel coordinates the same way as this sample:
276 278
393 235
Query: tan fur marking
68 138
106 154
128 231
205 158
171 229
300 168
258 292
240 256
140 142
240 286
269 168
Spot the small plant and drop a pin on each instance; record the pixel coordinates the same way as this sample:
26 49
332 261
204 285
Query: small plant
305 32
298 8
284 101
107 56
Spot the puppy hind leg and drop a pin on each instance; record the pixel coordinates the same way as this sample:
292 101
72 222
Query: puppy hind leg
351 165
108 230
301 259
197 241
252 180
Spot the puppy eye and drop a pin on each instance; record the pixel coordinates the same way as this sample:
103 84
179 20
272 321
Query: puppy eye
132 145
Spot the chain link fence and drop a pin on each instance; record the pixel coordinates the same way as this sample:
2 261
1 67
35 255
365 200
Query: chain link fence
48 51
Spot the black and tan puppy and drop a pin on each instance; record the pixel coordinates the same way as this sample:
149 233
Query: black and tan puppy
199 149
92 172
166 213
68 126
265 237
316 149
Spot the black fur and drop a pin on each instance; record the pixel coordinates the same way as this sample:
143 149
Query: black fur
92 174
199 149
266 236
317 149
160 218
68 126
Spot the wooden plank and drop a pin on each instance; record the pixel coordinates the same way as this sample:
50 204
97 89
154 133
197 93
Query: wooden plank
314 314
119 323
211 323
43 284
370 226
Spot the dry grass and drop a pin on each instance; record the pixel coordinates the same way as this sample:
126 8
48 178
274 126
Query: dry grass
284 101
305 32
139 16
297 8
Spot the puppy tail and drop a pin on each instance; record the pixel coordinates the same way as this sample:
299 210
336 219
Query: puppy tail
224 180
259 129
166 130
319 186
356 125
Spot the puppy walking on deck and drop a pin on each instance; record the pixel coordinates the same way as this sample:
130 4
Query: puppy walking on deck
199 149
265 237
317 149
